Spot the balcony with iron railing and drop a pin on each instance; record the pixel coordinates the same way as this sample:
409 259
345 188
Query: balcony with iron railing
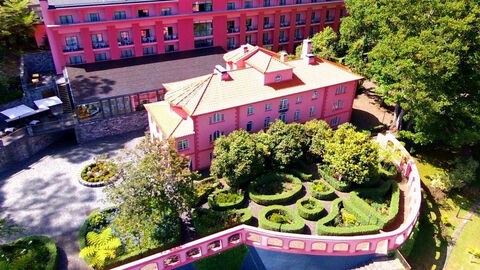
315 20
99 45
330 19
233 30
125 42
170 37
284 24
283 40
283 108
148 39
267 42
251 28
72 48
268 26
300 22
299 37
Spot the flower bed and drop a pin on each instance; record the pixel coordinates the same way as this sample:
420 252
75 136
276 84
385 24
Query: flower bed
345 219
321 190
97 173
207 221
225 199
275 188
32 252
281 219
310 208
343 186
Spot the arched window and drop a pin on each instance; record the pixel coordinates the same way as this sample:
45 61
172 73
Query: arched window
278 78
249 126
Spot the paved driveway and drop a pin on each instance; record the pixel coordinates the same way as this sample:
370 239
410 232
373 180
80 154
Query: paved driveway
43 194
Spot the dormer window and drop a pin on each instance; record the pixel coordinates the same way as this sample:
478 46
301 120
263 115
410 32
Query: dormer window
278 78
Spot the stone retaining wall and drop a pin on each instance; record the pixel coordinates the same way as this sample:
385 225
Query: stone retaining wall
92 130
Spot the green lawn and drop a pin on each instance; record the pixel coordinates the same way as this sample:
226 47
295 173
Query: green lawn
460 258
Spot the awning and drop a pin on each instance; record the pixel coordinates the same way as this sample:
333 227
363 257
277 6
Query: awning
45 103
20 111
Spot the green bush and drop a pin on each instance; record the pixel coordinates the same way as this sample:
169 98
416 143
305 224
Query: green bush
326 174
274 188
321 190
203 188
207 221
280 218
305 177
326 225
30 252
310 208
225 199
387 169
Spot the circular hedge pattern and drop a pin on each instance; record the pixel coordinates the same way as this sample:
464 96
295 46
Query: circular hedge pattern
274 188
43 252
95 174
321 190
310 208
225 199
281 219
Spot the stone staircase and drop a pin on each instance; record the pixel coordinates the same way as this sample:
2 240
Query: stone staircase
65 98
383 263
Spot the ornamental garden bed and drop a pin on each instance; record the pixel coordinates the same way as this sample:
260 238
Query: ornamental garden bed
98 173
337 184
207 221
310 208
203 188
345 219
280 218
225 199
32 252
274 188
321 190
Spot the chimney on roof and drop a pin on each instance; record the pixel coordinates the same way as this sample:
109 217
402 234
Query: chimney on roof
310 59
245 48
222 72
283 56
306 48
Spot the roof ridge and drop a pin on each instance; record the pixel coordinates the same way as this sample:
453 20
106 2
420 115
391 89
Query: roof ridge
194 85
204 90
269 61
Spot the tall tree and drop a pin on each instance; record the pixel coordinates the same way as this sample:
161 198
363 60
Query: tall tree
324 44
16 23
289 143
425 58
156 189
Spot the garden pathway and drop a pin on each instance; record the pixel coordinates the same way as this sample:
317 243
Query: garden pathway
43 195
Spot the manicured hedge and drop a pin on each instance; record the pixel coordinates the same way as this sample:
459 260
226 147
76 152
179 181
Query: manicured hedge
310 214
325 195
203 188
218 223
338 185
305 177
214 204
281 198
45 241
357 197
324 229
388 170
296 227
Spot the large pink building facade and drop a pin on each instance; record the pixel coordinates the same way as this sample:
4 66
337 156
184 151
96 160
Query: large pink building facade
87 31
254 90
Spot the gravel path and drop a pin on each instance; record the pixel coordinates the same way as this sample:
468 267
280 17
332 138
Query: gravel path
43 195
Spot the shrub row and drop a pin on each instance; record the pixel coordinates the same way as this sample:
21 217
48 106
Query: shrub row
203 188
46 242
305 177
218 221
322 195
357 198
324 229
213 202
343 186
310 214
296 226
281 198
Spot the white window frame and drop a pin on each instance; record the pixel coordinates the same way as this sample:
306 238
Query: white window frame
250 110
268 107
183 145
296 115
217 117
284 104
283 117
312 111
299 100
266 122
249 123
340 90
335 121
315 94
338 105
278 78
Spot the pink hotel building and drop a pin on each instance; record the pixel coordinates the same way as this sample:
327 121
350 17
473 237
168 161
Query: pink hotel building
254 89
87 31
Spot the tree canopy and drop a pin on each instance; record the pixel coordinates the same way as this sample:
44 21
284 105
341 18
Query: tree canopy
156 189
16 23
324 44
425 58
289 143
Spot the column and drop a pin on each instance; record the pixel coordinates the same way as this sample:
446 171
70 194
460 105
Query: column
159 37
113 42
87 45
57 50
108 13
260 27
308 21
323 18
220 31
276 30
137 39
243 21
291 31
336 23
185 34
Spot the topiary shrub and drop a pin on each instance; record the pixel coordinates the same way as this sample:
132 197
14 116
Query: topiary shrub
343 219
310 208
326 174
225 199
32 252
280 218
387 169
203 188
207 221
321 190
305 177
274 188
